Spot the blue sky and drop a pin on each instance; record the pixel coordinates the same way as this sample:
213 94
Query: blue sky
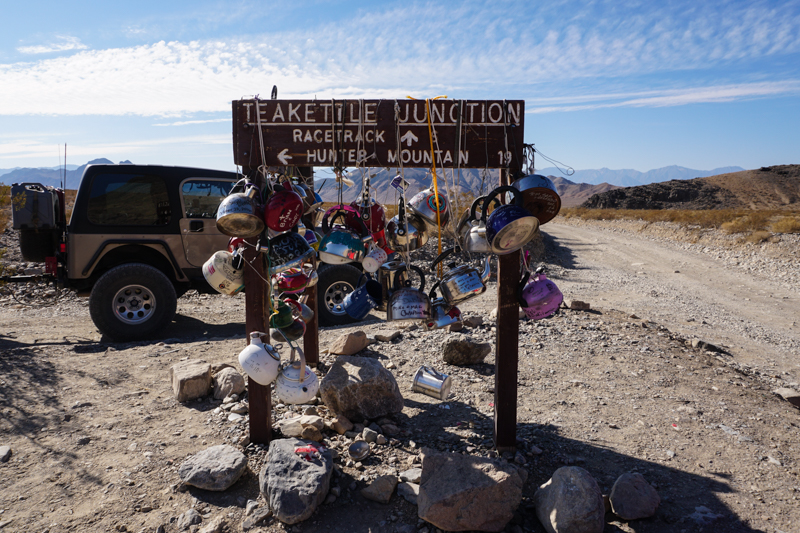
606 83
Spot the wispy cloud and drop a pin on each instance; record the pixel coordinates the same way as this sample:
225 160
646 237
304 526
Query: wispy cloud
463 51
61 43
192 122
666 98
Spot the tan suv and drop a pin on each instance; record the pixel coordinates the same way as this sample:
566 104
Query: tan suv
136 241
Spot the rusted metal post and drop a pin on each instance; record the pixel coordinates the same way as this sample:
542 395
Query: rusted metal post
256 320
506 350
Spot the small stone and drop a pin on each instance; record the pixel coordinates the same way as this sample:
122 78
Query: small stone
790 395
256 517
472 321
311 433
408 491
579 305
190 379
381 489
215 526
412 475
233 417
5 454
387 335
83 441
216 468
311 411
349 343
341 424
463 352
370 435
456 327
239 409
381 440
187 519
227 382
632 497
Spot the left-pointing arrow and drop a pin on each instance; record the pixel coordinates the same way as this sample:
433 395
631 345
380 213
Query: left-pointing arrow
284 156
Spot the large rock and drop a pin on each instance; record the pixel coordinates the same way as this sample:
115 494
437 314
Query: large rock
216 468
790 395
226 382
632 497
462 493
462 352
570 502
349 343
360 388
293 486
190 379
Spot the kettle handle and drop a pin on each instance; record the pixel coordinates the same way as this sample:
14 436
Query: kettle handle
432 293
442 256
522 283
493 195
416 269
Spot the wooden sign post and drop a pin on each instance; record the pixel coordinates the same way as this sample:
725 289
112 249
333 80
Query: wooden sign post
394 134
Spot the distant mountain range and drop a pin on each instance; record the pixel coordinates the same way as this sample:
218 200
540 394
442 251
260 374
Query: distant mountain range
574 189
50 176
631 178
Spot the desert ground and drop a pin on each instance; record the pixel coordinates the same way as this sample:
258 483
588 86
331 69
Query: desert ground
97 435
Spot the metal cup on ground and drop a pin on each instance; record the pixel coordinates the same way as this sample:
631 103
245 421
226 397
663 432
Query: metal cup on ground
432 383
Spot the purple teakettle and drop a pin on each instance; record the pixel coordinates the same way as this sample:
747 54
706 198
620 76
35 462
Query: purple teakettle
540 298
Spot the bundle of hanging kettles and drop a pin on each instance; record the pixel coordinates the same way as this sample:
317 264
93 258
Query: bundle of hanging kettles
359 233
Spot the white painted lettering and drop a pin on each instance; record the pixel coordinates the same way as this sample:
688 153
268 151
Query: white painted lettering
448 158
483 112
369 112
294 112
318 136
348 136
362 155
463 157
325 109
308 138
437 112
351 156
379 136
471 108
499 112
297 136
454 113
514 113
278 114
310 113
328 136
311 156
368 134
391 156
424 117
248 106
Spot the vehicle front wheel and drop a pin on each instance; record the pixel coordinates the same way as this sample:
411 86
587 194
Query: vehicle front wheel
132 302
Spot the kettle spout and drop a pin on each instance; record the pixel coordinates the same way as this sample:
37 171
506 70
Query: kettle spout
487 269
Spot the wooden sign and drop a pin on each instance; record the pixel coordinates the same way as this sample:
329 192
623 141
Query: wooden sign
379 133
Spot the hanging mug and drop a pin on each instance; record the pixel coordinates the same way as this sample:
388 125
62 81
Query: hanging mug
364 299
374 259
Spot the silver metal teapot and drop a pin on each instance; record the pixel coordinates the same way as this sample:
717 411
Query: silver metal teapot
238 214
459 283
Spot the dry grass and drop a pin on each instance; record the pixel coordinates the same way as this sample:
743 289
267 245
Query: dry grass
5 206
729 220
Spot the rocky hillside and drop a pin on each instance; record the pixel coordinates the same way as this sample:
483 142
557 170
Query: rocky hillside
574 194
776 187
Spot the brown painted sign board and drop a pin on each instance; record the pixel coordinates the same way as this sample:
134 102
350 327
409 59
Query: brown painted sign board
378 133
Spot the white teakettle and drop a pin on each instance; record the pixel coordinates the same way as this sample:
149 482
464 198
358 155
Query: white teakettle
260 361
297 383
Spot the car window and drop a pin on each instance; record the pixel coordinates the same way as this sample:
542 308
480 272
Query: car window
201 197
129 200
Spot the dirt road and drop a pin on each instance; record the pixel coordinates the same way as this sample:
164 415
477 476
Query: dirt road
96 435
698 291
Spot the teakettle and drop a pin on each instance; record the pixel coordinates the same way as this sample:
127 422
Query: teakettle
341 244
286 251
296 280
540 298
260 361
296 384
442 313
372 213
459 283
283 209
394 274
409 238
473 232
238 214
424 204
510 226
408 303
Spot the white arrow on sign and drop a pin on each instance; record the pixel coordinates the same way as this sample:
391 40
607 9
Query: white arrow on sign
283 157
409 138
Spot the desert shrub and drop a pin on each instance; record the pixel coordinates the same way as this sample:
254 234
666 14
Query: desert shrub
753 221
758 237
5 206
786 225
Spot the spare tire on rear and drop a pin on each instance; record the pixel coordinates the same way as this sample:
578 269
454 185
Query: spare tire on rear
35 245
335 283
